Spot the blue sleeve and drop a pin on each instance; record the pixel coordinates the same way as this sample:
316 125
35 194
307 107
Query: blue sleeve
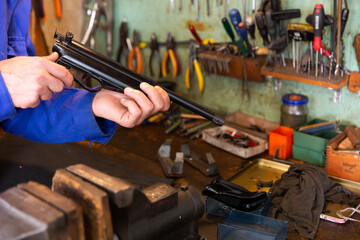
7 109
66 117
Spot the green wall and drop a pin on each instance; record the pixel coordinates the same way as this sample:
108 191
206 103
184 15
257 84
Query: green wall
223 94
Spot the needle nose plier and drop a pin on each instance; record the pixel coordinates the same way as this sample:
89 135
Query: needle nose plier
123 48
170 52
135 53
154 46
193 63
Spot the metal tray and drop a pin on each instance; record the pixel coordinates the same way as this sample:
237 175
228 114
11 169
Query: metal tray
264 170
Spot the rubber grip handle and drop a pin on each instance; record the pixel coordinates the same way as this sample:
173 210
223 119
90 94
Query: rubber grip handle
318 26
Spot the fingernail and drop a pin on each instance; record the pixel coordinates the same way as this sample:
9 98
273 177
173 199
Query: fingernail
145 84
128 90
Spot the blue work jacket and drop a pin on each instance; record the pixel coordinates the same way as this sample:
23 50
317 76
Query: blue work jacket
67 116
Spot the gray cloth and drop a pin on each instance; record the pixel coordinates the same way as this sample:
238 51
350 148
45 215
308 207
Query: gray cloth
301 194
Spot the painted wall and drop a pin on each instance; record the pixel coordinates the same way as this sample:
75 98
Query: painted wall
223 94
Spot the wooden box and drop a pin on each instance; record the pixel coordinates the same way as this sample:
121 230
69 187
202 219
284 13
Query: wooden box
342 164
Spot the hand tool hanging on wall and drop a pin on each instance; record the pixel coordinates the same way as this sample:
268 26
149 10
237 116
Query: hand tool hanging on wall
123 48
278 46
260 22
196 36
235 19
154 46
285 15
170 53
344 17
250 27
58 9
193 63
135 57
230 33
42 13
338 38
318 24
100 7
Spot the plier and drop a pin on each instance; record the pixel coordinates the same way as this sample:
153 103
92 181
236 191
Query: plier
154 46
170 51
100 7
193 63
135 53
123 48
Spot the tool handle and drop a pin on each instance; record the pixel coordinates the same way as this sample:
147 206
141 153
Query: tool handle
318 26
344 18
270 23
196 36
228 28
286 14
260 22
58 10
235 19
250 26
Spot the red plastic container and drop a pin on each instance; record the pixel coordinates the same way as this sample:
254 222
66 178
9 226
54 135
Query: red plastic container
281 137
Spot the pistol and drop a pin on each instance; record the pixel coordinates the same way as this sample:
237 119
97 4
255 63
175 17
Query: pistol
85 63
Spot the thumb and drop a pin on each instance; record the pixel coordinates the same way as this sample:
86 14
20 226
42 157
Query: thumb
52 57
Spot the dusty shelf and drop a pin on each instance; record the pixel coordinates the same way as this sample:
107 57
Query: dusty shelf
289 73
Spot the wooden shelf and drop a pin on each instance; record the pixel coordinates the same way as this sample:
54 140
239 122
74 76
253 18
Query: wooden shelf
289 73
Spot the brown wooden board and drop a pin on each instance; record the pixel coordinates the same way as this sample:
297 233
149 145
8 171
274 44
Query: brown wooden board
289 73
235 65
354 82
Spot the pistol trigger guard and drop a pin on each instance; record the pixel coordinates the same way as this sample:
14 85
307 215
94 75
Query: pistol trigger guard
86 87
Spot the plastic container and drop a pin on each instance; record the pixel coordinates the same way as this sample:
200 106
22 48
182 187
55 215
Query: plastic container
281 137
242 225
294 110
311 147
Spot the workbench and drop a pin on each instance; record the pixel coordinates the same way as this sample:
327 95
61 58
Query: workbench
134 150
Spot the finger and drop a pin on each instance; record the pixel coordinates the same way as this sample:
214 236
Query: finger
45 94
52 57
54 84
57 70
133 117
165 97
35 104
141 99
154 95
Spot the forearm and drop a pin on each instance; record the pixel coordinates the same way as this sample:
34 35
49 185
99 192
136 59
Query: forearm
66 117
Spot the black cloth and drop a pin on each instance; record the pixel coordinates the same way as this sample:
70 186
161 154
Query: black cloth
300 196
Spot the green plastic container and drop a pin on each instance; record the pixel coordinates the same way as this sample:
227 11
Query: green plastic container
310 156
311 148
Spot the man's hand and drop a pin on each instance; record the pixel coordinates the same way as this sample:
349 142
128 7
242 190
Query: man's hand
32 79
132 107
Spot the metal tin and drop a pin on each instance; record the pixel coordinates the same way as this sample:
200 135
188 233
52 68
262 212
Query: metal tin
294 110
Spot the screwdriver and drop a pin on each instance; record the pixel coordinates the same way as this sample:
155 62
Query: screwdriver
260 22
235 19
318 26
250 27
230 32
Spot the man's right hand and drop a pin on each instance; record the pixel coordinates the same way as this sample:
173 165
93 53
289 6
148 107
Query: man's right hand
30 80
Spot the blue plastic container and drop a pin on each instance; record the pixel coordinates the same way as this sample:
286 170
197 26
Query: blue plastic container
243 225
